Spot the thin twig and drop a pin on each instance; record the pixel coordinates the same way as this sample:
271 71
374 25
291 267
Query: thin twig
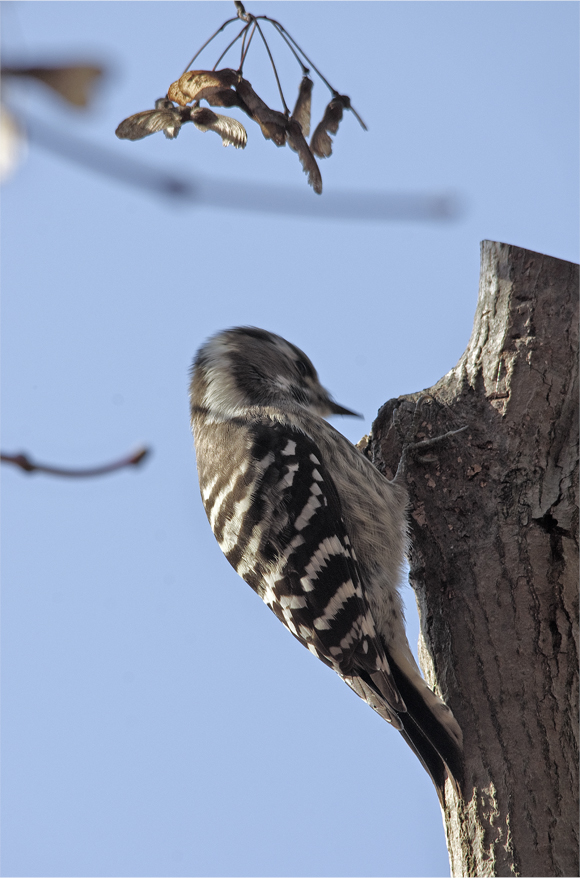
27 465
280 29
227 49
107 161
242 52
207 42
286 110
335 93
358 118
423 444
376 206
304 55
247 48
381 206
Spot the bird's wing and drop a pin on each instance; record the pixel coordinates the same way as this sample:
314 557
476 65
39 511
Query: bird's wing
311 578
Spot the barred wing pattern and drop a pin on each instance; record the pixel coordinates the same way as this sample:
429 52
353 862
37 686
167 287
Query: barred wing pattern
302 563
314 529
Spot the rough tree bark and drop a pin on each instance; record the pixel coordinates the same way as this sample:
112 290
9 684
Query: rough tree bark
494 530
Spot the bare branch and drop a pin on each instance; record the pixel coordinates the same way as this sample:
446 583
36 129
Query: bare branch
107 161
377 206
73 82
27 465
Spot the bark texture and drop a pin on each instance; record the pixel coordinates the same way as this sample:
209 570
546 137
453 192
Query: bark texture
494 563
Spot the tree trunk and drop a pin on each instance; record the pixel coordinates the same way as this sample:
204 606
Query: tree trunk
494 539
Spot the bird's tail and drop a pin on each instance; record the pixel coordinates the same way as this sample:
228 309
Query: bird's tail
431 731
427 725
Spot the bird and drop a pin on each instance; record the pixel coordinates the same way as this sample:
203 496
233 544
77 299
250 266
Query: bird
314 528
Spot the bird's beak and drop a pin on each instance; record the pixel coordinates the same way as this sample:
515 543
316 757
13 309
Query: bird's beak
337 409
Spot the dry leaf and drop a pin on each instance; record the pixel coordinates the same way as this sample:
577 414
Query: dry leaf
74 83
301 113
272 122
230 130
188 87
321 142
165 117
297 142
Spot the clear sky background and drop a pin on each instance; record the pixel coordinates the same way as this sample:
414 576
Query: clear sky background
157 718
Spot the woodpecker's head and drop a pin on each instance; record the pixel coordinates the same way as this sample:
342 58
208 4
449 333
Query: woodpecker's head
246 366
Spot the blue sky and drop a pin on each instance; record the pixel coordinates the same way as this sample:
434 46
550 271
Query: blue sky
157 719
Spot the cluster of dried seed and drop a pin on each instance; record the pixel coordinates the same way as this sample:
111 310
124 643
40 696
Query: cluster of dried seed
228 88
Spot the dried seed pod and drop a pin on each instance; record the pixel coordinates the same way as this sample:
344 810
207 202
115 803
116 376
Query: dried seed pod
188 87
321 142
165 117
223 97
175 94
271 128
301 112
297 142
230 130
272 122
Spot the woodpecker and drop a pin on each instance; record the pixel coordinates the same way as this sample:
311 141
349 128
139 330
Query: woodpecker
313 527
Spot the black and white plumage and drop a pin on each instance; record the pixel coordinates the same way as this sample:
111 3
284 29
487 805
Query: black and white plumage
313 528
